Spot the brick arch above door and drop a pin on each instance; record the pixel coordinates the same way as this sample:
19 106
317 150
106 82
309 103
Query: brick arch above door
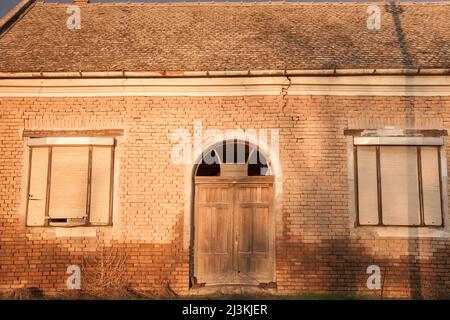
189 174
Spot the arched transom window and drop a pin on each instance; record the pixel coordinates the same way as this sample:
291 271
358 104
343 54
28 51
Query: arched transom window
233 158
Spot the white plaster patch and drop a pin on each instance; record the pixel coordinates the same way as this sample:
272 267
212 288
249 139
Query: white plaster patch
85 232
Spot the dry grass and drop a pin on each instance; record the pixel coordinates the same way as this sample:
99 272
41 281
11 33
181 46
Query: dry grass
104 272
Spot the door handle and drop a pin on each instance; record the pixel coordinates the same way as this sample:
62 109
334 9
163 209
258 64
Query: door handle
30 197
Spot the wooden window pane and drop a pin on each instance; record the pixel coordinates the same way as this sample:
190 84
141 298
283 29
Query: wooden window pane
399 185
367 185
38 187
69 174
100 185
431 187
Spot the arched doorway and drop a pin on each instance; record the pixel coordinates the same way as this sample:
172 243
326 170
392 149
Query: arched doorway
234 223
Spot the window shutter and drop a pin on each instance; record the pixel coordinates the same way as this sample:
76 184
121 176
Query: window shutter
399 185
69 174
367 185
431 186
38 187
100 185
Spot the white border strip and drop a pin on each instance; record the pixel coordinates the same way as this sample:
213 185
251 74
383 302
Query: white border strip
396 141
228 86
34 142
376 85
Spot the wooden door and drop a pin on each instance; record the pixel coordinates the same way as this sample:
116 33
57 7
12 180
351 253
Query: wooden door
234 230
213 246
254 231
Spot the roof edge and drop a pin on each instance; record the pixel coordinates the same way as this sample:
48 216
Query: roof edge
180 3
209 74
11 17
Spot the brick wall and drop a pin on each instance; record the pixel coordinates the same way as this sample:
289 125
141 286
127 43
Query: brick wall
315 249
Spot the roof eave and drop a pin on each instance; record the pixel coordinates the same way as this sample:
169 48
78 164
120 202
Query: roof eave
249 73
12 16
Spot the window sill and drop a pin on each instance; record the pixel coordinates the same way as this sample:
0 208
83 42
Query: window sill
85 232
400 232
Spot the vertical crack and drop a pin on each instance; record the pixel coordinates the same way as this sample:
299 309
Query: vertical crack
284 92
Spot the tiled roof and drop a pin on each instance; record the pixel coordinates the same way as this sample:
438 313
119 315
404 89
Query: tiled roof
231 36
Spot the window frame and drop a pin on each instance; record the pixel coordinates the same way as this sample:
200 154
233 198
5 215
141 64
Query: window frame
379 142
90 143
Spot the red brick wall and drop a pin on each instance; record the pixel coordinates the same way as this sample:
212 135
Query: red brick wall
315 251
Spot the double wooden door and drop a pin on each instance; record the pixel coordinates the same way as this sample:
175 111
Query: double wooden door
234 230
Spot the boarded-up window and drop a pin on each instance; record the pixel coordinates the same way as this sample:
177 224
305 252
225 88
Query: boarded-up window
70 185
398 185
431 186
367 185
38 186
68 182
100 185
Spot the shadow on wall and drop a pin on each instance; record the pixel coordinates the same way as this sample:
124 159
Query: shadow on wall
159 270
419 268
413 247
339 267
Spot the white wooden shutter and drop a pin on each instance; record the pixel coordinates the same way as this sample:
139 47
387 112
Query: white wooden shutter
399 185
431 187
100 185
367 185
38 187
69 174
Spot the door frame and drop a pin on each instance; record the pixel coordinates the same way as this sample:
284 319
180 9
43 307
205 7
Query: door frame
234 181
188 230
